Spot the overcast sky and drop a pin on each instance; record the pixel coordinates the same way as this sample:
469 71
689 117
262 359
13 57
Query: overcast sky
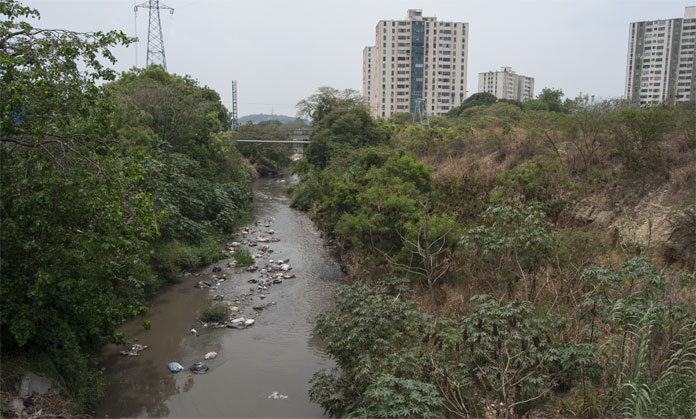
281 51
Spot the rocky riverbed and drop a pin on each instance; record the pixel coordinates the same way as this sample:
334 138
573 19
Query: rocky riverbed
265 351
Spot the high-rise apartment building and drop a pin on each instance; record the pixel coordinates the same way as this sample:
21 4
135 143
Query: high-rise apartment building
417 65
661 55
505 84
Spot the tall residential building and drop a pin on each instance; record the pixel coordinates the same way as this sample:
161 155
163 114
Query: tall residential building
505 84
661 55
417 65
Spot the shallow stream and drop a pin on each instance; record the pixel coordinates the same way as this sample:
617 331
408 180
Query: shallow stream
260 371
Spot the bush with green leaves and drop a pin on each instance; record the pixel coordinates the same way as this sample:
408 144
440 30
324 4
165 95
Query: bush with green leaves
215 312
242 257
511 242
539 181
393 358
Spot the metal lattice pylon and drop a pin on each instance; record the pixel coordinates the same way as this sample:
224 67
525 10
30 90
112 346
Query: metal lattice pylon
235 122
155 40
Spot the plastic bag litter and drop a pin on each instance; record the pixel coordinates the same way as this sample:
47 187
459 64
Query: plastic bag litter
175 367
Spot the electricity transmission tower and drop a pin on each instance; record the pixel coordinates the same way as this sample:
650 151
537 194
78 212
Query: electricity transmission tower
420 109
155 41
235 123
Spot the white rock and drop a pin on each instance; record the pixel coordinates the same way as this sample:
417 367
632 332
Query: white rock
210 355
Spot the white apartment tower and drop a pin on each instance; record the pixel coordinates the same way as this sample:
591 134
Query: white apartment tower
417 65
505 84
661 55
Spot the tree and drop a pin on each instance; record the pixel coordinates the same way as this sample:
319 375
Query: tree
550 100
477 99
513 241
427 249
75 223
341 130
636 135
587 131
327 99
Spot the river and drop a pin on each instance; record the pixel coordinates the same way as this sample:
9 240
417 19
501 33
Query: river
260 371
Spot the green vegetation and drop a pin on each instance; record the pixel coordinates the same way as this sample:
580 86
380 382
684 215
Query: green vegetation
215 312
242 257
267 159
479 288
108 192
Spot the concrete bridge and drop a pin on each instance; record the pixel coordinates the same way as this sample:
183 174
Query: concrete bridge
298 137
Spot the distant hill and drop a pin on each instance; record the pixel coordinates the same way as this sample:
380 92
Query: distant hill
256 118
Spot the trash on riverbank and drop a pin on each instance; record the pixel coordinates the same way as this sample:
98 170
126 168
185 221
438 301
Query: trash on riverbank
210 355
175 367
203 284
194 332
134 350
199 368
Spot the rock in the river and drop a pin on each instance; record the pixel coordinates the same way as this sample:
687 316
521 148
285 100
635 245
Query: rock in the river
210 355
252 268
249 322
235 244
217 269
288 276
285 267
203 284
199 368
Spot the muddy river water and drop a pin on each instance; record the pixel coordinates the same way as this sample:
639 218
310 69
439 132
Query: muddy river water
260 371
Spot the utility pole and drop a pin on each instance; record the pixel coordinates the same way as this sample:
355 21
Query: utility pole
155 40
235 122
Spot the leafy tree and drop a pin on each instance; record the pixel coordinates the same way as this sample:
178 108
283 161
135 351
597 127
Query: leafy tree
512 241
587 130
636 135
75 223
502 354
180 113
341 130
477 99
428 245
538 181
550 100
372 336
326 100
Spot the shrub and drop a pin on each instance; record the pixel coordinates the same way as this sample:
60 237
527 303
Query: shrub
215 312
242 257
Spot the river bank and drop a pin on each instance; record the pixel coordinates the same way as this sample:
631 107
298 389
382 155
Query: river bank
261 371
